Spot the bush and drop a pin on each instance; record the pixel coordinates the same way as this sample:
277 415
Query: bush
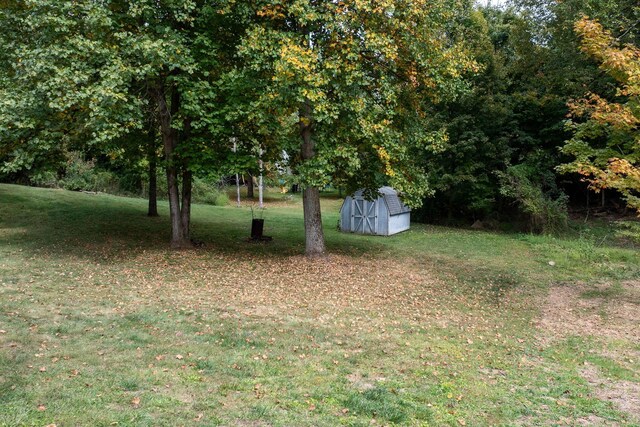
206 191
222 199
82 175
546 214
47 179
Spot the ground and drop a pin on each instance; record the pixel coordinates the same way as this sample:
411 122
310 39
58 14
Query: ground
101 324
609 314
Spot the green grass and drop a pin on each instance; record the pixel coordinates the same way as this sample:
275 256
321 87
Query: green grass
103 325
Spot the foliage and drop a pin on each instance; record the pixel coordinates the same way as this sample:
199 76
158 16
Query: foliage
479 128
606 143
205 190
98 73
67 85
82 175
546 212
530 67
509 116
359 76
437 100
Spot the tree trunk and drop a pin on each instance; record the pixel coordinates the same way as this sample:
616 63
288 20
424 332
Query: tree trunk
178 239
185 211
314 236
169 144
153 173
250 187
187 183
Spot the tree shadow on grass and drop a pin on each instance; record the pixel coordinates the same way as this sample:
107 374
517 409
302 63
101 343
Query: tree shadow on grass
110 229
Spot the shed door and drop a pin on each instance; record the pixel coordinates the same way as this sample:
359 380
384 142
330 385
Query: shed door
363 216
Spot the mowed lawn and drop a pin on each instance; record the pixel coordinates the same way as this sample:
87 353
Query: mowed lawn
102 325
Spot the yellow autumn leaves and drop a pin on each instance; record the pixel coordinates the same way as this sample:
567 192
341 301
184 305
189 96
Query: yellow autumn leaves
616 166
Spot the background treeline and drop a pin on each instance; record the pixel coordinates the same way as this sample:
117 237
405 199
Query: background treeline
504 134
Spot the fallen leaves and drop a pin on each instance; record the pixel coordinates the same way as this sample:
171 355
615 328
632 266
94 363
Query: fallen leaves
135 402
258 391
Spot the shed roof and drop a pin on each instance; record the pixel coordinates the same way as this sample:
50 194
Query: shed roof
391 198
395 205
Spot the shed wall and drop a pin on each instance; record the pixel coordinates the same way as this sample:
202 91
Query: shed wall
345 215
383 217
398 223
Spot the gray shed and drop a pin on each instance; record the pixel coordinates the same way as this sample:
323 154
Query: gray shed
383 216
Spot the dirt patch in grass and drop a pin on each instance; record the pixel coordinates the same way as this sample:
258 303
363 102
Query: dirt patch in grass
623 394
603 311
362 383
591 421
607 313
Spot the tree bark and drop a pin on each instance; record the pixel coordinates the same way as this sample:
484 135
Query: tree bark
169 144
153 173
314 236
185 211
187 183
250 186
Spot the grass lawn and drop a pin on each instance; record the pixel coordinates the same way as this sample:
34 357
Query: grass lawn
102 325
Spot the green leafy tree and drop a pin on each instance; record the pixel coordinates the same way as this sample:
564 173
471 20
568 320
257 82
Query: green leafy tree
90 73
344 87
505 133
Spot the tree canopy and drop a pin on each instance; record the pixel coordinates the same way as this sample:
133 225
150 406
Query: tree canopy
456 105
346 87
90 73
606 142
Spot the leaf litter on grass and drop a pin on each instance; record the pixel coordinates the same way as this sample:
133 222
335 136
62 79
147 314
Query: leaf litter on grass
371 311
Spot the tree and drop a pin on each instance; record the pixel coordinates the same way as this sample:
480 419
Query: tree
89 73
606 144
505 134
504 125
344 87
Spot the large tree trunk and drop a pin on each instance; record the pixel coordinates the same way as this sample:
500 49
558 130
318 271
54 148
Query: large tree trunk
152 157
314 236
250 186
169 143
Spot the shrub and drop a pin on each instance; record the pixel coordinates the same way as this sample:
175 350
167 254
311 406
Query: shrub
546 214
222 199
47 179
82 175
208 191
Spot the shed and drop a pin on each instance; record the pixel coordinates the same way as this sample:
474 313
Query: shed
383 216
